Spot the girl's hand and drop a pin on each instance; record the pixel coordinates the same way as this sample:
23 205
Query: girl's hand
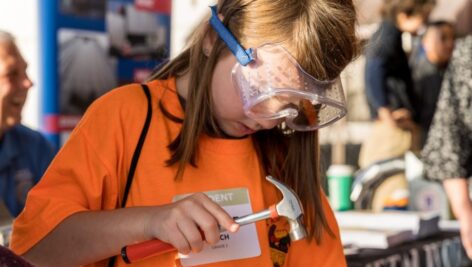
185 224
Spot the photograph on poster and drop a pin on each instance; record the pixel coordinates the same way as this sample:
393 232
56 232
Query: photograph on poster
85 69
136 33
83 8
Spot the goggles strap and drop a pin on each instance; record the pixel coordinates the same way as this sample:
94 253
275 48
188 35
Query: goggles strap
244 57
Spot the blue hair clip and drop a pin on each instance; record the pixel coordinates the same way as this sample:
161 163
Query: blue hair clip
244 57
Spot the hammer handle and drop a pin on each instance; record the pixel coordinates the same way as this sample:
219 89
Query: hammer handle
147 249
262 215
156 247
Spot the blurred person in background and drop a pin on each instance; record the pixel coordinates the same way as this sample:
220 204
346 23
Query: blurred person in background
447 154
389 86
428 71
24 153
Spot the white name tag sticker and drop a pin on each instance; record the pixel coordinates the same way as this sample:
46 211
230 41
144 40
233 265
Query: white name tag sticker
232 246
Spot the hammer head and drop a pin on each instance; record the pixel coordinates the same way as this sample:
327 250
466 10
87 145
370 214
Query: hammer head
290 208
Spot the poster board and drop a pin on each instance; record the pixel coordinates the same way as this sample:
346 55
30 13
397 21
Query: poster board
89 47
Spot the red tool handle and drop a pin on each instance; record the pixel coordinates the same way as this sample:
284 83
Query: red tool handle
146 249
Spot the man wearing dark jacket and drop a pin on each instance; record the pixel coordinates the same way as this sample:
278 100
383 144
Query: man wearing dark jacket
388 81
24 153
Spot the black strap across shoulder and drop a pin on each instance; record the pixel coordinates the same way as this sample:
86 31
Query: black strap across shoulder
137 152
139 146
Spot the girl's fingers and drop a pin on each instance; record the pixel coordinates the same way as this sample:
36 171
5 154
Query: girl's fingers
208 225
179 241
192 235
221 216
192 220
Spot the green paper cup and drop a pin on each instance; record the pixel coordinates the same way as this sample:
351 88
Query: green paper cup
339 186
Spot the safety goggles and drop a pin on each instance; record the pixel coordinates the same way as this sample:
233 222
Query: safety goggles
273 86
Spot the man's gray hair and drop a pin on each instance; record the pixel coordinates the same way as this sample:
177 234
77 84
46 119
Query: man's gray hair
6 36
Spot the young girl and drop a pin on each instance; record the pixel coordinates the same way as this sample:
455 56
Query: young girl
242 102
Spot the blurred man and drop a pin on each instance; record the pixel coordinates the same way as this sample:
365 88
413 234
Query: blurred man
387 74
428 71
24 153
388 82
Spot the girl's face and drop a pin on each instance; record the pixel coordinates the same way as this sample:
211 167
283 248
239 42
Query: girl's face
228 106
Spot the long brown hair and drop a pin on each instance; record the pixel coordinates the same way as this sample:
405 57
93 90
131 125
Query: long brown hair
324 31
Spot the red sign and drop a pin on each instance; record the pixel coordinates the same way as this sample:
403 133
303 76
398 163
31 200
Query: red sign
159 6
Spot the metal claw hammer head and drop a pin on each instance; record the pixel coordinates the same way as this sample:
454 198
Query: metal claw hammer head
289 207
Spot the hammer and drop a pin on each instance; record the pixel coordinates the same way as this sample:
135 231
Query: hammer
289 207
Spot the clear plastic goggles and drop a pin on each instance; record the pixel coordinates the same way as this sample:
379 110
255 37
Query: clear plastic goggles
274 86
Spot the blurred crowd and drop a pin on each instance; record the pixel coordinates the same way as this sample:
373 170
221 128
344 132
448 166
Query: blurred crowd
418 86
402 87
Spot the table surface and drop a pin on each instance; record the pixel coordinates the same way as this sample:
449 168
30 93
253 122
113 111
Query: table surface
442 249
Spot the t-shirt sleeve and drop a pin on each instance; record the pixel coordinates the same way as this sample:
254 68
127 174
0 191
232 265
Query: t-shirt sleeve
328 253
67 187
85 175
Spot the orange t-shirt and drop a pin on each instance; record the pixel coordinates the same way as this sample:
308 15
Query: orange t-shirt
89 173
